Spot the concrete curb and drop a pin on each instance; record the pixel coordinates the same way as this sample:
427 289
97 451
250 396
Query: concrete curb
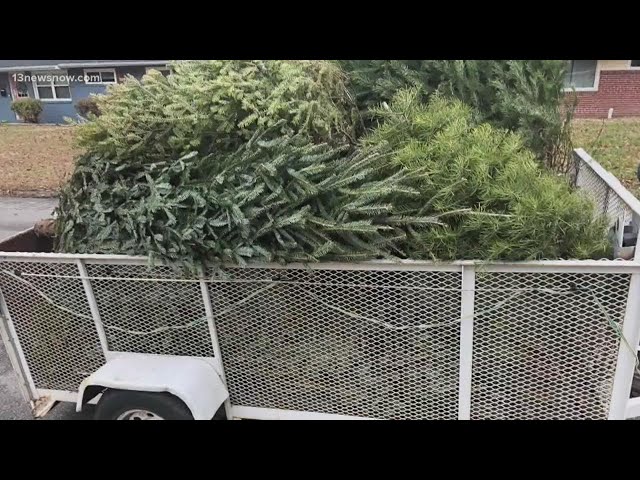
23 124
29 193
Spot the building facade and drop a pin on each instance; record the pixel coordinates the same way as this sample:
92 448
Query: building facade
59 84
605 88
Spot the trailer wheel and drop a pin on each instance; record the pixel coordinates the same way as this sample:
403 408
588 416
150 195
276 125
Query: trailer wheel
134 405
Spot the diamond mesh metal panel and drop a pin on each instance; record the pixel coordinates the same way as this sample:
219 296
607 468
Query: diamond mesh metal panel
607 201
341 341
593 185
131 298
545 355
369 343
61 349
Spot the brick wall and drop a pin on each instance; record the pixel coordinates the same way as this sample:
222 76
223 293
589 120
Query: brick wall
617 89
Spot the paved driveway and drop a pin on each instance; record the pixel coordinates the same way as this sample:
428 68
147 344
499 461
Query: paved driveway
16 215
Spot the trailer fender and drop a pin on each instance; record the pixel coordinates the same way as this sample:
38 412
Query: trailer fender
193 380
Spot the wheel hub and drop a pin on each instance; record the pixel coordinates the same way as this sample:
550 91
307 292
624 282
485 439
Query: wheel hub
139 415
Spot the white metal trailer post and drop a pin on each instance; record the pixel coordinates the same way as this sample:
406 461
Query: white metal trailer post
384 340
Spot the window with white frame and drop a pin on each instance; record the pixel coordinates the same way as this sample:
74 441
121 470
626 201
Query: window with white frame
635 64
51 86
100 76
164 70
581 74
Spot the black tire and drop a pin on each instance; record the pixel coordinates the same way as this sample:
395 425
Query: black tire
115 403
635 386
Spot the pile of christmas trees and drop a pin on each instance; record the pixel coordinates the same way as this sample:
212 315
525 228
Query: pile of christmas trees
227 161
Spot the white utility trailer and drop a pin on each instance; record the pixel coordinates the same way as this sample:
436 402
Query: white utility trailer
374 340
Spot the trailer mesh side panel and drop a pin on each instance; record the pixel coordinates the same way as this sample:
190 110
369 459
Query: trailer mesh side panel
61 349
141 312
607 201
362 342
382 344
548 352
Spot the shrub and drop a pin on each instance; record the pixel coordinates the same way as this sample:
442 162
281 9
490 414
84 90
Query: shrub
27 108
88 107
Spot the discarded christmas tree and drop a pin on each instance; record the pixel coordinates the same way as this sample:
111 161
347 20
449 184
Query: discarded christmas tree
231 161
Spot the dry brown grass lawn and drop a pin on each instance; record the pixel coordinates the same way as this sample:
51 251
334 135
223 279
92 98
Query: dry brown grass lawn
35 159
615 144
